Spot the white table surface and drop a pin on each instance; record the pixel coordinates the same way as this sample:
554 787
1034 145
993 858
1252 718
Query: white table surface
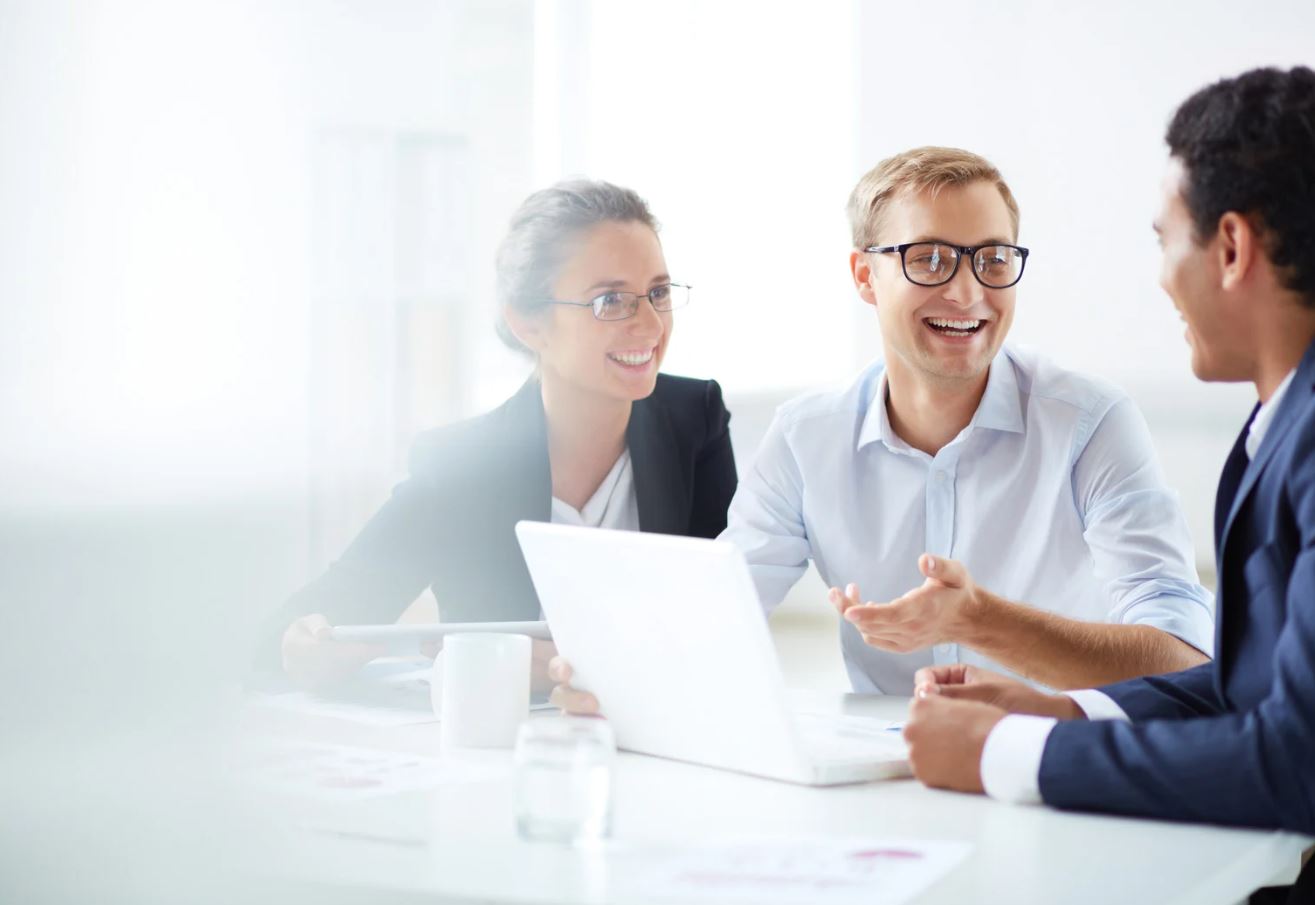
458 842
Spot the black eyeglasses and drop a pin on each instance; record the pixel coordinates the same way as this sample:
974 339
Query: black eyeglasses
617 306
936 263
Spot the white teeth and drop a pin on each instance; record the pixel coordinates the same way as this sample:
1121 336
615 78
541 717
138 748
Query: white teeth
954 324
631 358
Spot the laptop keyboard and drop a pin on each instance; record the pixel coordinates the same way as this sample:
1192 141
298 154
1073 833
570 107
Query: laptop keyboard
834 737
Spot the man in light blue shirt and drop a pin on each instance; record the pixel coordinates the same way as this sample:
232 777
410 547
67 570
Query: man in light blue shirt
957 464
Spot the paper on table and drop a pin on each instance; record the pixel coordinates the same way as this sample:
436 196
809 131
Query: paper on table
345 772
815 871
337 772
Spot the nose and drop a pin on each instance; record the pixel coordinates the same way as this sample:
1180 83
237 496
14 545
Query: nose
646 322
964 288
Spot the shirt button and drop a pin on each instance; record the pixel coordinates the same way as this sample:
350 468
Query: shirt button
941 477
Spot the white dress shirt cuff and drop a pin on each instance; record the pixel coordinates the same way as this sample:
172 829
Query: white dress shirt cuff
1011 758
1097 705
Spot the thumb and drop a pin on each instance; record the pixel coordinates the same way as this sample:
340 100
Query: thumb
318 626
559 669
968 693
949 572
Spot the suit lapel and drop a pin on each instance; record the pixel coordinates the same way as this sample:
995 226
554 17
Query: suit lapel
526 482
1229 481
654 456
520 490
1294 400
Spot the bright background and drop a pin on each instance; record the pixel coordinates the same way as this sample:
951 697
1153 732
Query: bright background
246 248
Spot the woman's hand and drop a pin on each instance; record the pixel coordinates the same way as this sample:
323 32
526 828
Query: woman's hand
542 653
313 661
570 700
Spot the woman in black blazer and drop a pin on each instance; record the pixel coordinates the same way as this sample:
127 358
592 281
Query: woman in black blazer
595 436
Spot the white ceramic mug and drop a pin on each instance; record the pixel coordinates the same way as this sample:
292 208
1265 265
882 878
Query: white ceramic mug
485 689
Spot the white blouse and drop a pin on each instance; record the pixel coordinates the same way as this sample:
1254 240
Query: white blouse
613 504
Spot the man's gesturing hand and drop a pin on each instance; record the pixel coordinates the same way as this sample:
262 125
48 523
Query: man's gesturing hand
936 612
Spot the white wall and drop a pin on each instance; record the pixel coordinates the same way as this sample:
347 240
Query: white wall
166 388
156 212
735 120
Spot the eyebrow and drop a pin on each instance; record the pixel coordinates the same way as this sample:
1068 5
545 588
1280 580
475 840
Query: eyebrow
618 284
991 240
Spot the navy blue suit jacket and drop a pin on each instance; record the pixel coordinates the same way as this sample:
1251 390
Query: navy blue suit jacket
450 525
1231 741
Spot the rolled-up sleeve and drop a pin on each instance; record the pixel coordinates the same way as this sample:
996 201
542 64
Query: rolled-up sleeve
1137 533
766 518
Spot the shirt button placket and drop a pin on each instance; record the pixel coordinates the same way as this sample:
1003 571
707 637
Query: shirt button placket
940 533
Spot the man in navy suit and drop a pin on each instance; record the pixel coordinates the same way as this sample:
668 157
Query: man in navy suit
1231 741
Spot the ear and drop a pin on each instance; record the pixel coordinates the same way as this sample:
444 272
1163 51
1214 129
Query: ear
1238 249
531 329
860 268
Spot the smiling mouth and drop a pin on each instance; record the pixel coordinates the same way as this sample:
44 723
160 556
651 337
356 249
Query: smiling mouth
633 358
957 327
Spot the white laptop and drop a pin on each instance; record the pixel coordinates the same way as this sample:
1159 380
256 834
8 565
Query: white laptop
668 633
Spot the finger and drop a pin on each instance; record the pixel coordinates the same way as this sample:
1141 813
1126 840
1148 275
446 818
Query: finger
892 643
573 701
318 626
837 600
953 674
948 572
297 633
874 614
303 631
984 693
843 600
559 670
921 706
975 674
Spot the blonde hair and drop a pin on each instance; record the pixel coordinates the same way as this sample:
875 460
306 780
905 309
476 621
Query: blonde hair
928 169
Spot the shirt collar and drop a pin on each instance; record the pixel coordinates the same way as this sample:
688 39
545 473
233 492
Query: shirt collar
1265 416
1001 407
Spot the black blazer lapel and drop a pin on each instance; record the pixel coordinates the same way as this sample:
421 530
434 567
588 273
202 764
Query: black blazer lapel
513 486
660 490
526 479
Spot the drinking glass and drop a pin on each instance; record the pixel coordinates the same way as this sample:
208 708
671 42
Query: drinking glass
564 769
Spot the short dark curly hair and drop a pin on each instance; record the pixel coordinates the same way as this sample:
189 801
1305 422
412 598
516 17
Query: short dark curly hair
1248 145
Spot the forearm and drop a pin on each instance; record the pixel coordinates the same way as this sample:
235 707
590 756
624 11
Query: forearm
1068 653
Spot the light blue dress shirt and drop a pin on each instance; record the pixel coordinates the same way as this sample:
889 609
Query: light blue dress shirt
1011 757
1051 496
